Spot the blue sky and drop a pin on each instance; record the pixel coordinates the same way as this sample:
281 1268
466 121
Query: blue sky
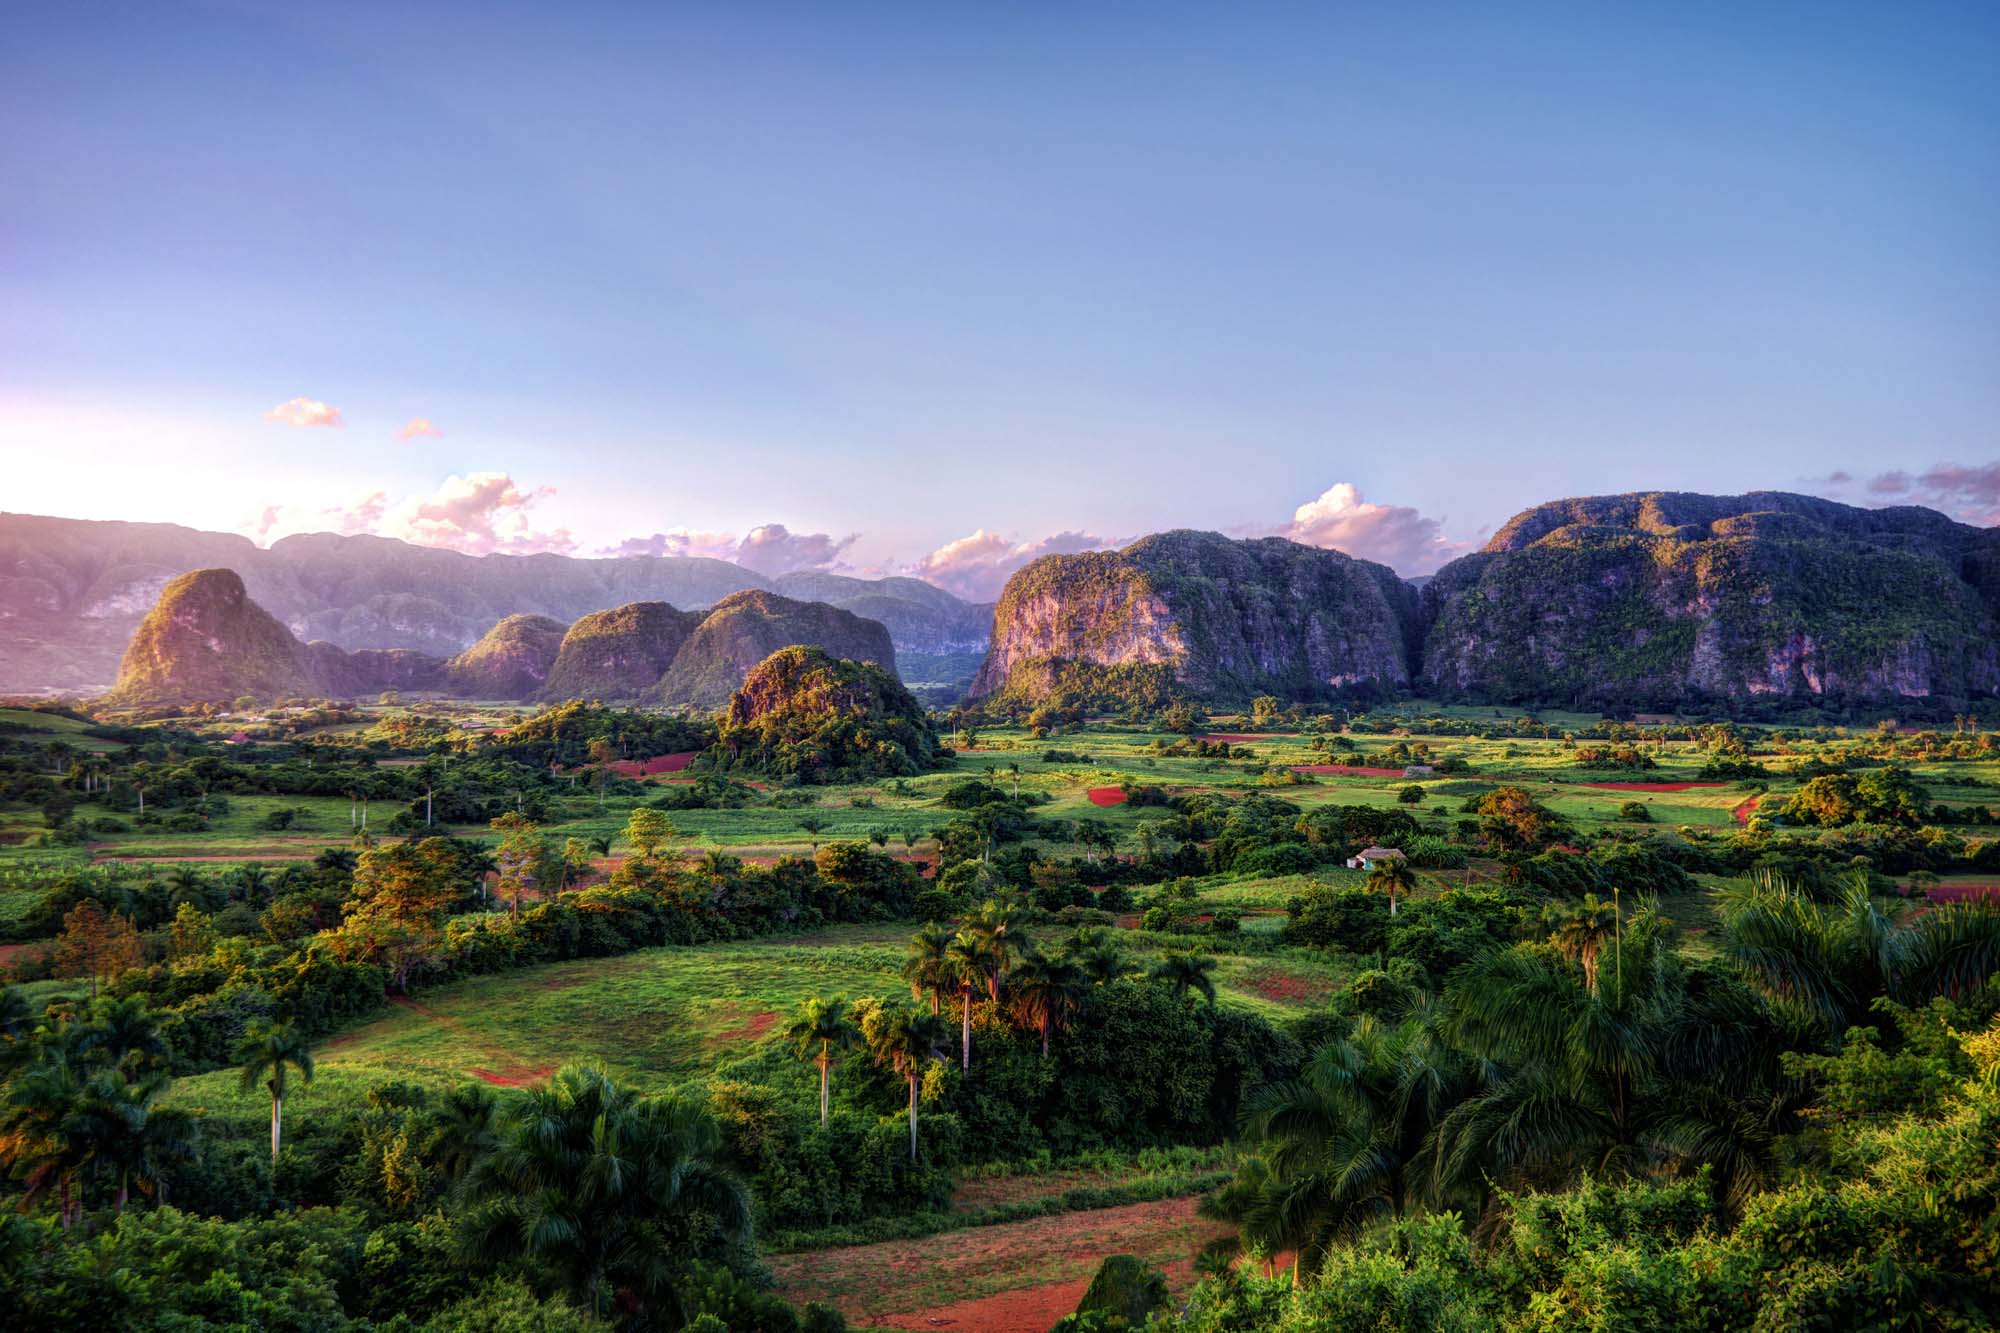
1045 274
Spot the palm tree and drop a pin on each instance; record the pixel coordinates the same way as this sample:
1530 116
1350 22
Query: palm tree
189 885
1184 971
1329 1159
906 1042
928 965
993 926
1578 932
1046 992
463 1128
1829 962
587 1176
1392 875
268 1050
1096 955
965 957
130 1137
16 1022
123 1033
36 1142
822 1027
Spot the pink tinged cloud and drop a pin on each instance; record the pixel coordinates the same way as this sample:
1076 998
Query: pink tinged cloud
772 549
679 542
1393 535
769 549
485 513
419 428
978 566
304 412
1967 492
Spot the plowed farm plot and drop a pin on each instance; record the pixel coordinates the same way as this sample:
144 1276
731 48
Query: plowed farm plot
1016 1278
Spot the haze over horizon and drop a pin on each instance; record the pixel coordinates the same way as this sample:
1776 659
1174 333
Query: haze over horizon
913 291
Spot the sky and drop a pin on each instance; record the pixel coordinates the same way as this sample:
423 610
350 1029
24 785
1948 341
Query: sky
934 288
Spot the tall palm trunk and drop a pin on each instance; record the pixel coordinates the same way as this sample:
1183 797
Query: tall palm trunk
1045 1035
913 1113
965 1038
277 1123
825 1065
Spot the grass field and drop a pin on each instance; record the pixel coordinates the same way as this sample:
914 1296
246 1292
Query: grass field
665 1016
669 1017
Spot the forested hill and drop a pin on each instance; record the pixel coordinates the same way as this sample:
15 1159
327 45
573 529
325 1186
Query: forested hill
73 591
1659 599
1666 597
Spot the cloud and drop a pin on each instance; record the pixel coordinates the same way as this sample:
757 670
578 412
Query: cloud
485 513
769 548
774 549
1394 535
679 542
304 412
1969 493
977 567
417 428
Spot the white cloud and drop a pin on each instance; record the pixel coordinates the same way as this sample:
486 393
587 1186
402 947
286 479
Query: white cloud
977 567
769 548
680 542
418 428
772 548
1394 535
485 513
304 412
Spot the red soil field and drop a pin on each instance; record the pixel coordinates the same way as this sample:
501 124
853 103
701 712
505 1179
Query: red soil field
659 763
751 1029
1348 770
886 1285
1276 984
1650 786
1744 809
514 1076
1958 893
1106 796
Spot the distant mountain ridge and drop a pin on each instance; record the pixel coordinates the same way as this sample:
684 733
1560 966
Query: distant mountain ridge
73 591
205 641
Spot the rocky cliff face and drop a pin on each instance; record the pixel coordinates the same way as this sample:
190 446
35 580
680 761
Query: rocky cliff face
620 653
340 674
746 627
511 661
1218 618
72 592
205 641
1666 598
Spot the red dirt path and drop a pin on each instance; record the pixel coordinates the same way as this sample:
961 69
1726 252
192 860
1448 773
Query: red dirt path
1106 796
1650 786
1744 809
1348 770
